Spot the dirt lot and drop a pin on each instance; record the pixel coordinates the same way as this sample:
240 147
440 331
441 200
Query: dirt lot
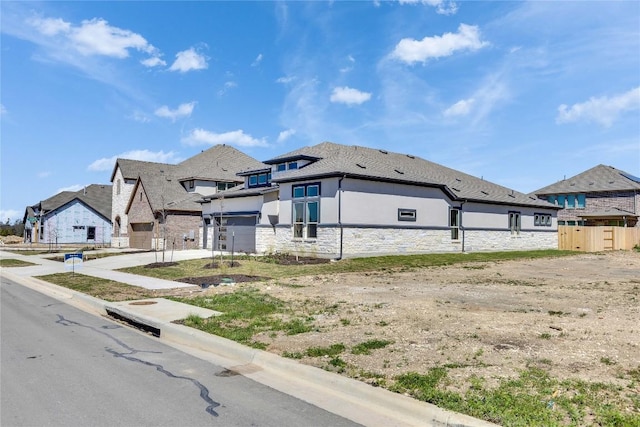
576 317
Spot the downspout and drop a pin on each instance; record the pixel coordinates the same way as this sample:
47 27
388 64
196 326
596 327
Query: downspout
461 223
340 215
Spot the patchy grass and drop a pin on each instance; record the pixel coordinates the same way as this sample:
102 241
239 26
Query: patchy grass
267 268
367 346
108 290
246 313
533 398
11 262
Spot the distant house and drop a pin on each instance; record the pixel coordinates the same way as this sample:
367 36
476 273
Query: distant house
602 195
335 201
155 204
71 217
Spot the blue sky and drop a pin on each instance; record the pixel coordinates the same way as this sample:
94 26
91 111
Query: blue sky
520 93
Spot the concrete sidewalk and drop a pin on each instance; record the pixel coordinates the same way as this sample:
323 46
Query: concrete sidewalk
352 399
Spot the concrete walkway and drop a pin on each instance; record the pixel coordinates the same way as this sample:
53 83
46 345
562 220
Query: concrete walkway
352 399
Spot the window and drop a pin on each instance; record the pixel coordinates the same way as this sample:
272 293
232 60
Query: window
225 185
514 222
552 199
454 223
260 180
293 165
306 210
91 233
406 214
118 186
581 199
281 167
542 220
190 184
571 201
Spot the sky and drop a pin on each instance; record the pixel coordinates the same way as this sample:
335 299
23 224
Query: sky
522 94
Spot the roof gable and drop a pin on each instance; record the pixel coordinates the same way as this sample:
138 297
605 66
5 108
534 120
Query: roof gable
597 179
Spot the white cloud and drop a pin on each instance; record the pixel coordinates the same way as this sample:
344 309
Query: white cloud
286 134
467 38
3 110
183 110
349 96
227 86
603 110
460 108
237 137
285 80
107 163
188 60
74 188
11 214
154 61
50 26
95 37
443 7
139 116
257 61
349 67
43 174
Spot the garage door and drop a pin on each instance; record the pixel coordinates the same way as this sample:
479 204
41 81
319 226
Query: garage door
237 234
140 235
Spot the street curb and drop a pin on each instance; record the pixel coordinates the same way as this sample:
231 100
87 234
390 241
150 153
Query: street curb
347 397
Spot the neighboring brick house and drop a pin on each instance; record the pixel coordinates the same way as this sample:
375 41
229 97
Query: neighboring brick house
71 217
602 195
155 203
334 201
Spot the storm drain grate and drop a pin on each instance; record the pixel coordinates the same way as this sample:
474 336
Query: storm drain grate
138 325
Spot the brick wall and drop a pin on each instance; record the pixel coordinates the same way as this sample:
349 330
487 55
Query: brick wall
602 201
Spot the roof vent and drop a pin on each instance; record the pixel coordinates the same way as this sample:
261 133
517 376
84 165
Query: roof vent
511 195
399 171
384 151
410 156
455 189
361 166
458 179
484 192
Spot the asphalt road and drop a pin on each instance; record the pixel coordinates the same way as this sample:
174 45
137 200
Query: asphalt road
63 367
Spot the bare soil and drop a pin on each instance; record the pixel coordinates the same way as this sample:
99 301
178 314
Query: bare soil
576 317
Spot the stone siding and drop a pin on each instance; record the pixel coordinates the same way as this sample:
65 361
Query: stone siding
118 206
393 241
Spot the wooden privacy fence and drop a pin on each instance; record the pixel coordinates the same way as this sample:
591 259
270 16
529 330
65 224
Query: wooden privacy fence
597 239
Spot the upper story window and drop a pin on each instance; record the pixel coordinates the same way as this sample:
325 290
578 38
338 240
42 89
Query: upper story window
569 201
262 179
225 185
190 184
281 167
118 186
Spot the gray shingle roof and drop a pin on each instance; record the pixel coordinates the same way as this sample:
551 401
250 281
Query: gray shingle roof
161 181
382 165
597 179
219 163
96 196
